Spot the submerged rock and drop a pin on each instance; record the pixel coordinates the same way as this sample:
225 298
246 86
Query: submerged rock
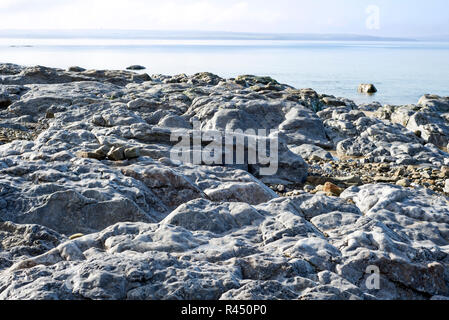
76 69
135 67
367 88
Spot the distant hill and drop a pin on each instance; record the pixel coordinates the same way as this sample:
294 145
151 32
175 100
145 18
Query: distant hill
435 38
186 35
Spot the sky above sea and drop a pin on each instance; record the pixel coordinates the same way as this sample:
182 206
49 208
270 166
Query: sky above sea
393 18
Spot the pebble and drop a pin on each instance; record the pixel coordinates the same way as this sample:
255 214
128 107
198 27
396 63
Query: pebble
116 154
332 189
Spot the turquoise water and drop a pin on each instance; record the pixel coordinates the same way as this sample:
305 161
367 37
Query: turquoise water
402 71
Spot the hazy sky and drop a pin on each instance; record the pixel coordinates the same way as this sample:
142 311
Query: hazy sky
374 17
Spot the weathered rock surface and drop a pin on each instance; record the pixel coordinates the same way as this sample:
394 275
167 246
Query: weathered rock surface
92 206
358 135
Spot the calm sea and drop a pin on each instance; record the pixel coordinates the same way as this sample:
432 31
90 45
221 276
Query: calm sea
402 71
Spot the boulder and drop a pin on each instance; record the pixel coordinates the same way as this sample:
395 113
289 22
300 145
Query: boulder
434 103
367 88
432 127
333 102
135 67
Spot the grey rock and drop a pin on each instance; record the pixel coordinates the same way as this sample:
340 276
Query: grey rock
76 69
116 154
69 212
76 225
261 290
10 69
433 128
332 102
135 67
204 215
172 187
434 103
227 184
357 135
367 88
311 152
132 153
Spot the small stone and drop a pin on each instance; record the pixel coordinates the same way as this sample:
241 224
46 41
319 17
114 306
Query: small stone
315 158
99 120
382 179
446 186
384 167
49 115
332 189
445 172
403 183
308 188
116 154
425 175
102 151
399 173
132 153
76 236
280 188
90 155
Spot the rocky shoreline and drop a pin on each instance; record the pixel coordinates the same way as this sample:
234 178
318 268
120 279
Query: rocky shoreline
93 207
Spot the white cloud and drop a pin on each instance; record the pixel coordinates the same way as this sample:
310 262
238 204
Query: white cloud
134 14
6 3
322 16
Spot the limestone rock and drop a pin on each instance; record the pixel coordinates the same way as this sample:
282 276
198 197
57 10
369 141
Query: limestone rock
116 154
311 152
434 103
135 67
141 225
132 153
76 69
367 88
